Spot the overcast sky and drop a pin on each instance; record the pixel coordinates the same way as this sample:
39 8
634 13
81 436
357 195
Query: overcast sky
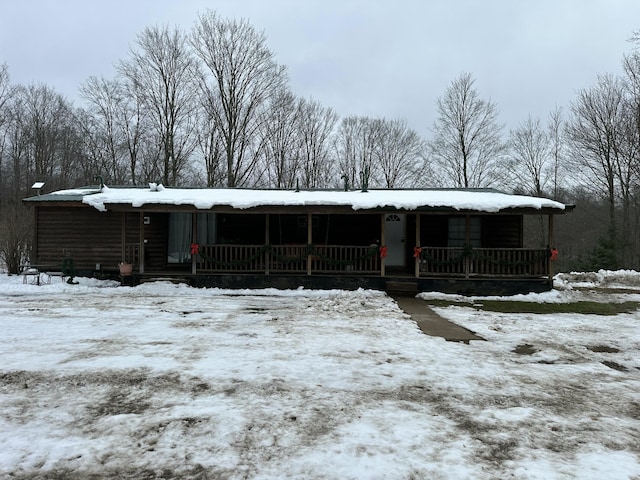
361 57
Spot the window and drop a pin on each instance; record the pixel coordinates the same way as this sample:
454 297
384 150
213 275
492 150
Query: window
457 234
179 241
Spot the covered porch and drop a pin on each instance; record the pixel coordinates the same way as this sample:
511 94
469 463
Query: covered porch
368 244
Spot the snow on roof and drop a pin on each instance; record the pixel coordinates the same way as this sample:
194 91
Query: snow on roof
208 198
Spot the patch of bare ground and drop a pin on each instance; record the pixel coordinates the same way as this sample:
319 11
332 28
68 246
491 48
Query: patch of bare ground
603 349
525 349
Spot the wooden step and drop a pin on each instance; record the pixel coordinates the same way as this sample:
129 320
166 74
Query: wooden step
403 287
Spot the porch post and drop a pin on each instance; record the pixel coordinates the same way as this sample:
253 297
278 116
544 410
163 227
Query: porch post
309 240
141 248
382 242
194 239
267 254
550 245
417 259
123 229
467 244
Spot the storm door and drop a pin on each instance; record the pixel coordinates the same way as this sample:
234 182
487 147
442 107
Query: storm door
394 232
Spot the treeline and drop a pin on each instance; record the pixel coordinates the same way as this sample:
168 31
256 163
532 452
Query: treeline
212 107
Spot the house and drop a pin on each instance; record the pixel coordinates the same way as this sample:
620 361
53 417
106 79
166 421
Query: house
451 240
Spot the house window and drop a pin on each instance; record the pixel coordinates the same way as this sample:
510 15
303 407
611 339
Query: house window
179 239
457 234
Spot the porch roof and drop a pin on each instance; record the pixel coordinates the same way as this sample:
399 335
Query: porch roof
225 199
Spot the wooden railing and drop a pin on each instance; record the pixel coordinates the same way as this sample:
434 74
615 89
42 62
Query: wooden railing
335 258
288 259
492 262
232 258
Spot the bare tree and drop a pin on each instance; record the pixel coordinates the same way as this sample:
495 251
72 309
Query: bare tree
6 92
102 130
597 134
281 141
356 142
211 149
467 141
316 125
530 157
161 74
242 76
44 124
557 145
398 153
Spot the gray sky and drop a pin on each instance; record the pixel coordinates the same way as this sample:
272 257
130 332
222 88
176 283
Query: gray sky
361 57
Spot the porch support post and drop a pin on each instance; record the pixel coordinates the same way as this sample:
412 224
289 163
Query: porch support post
467 244
417 259
123 230
550 245
382 242
141 248
267 242
194 239
309 240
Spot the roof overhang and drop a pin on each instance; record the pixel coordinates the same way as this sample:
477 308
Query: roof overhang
436 201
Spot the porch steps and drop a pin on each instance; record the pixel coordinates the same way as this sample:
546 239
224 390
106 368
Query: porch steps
401 287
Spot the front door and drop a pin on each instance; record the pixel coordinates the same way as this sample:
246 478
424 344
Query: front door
394 224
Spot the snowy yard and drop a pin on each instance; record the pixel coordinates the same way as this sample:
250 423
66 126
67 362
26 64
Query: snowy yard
167 381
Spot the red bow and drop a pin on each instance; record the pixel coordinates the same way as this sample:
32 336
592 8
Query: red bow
554 254
383 252
195 248
417 251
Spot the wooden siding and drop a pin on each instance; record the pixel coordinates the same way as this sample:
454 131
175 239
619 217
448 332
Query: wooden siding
155 238
85 234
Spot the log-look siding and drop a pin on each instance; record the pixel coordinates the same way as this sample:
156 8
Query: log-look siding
91 237
88 236
154 239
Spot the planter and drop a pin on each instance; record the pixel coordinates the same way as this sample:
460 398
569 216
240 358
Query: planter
126 268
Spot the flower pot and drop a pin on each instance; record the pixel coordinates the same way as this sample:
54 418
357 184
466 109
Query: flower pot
126 268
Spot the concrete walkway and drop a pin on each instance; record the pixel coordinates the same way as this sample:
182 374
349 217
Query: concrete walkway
431 323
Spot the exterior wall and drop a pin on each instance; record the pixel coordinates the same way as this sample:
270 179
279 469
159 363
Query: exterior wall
155 237
82 232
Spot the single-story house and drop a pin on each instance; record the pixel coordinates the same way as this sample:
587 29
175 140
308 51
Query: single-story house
452 240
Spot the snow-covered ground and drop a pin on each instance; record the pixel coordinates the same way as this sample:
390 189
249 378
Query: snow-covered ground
167 381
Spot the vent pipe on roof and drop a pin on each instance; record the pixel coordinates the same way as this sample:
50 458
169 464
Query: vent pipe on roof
364 179
345 178
99 178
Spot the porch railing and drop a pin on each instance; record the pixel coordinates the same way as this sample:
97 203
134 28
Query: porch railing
335 258
288 258
493 262
232 258
339 259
